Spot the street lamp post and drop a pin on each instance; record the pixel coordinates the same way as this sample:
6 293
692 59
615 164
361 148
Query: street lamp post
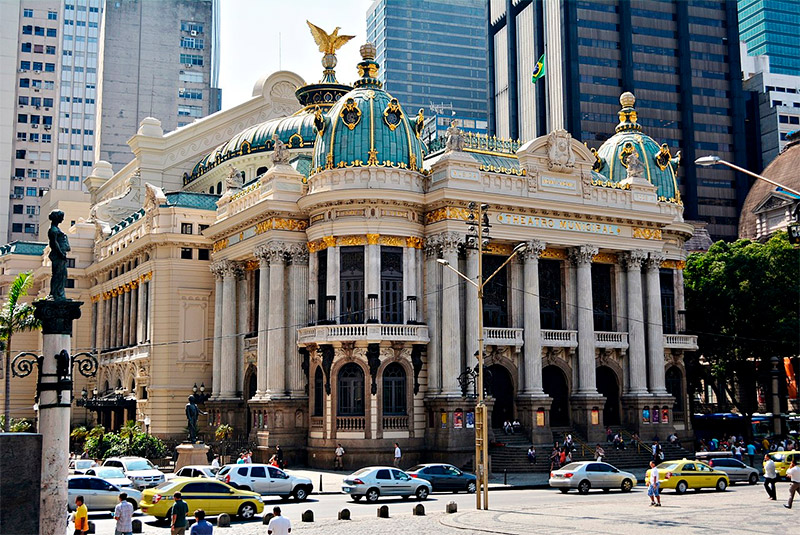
478 238
708 161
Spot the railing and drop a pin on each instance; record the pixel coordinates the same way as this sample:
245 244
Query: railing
391 423
501 336
317 422
559 338
680 341
372 332
628 438
351 423
611 339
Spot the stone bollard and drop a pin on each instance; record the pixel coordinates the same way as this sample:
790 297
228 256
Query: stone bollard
344 514
308 516
224 521
91 527
452 507
266 518
383 511
419 510
136 524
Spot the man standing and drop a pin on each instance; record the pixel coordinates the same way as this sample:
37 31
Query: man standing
279 453
751 454
793 473
339 454
770 477
398 455
123 514
279 525
215 464
81 517
201 526
179 512
652 486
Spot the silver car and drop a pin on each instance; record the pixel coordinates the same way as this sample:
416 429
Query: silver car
376 481
115 476
98 494
737 471
587 475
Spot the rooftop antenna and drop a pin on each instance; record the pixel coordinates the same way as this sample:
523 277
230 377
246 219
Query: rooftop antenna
439 109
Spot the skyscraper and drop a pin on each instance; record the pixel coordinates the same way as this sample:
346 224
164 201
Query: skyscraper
432 55
769 28
681 59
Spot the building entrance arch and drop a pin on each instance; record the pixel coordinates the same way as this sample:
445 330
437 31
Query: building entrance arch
555 385
608 386
250 386
502 389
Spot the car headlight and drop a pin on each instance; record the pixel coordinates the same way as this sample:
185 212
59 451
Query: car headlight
259 498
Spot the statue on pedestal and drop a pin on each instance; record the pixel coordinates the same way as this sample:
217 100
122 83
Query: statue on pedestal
280 154
59 247
455 138
192 412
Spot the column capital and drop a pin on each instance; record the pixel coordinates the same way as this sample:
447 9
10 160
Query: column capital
451 241
229 268
433 246
533 250
274 251
297 253
218 269
582 254
654 259
633 260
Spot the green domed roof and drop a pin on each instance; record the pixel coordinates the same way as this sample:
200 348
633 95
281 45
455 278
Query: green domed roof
660 167
367 127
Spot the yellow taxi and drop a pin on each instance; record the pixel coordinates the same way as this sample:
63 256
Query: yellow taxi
214 497
685 474
782 459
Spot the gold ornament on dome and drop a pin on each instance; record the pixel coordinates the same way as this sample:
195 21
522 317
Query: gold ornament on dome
624 154
663 157
392 115
328 43
350 114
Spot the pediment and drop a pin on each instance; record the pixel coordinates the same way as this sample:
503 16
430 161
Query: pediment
773 201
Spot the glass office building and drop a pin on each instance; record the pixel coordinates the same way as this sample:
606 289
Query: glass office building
770 28
432 55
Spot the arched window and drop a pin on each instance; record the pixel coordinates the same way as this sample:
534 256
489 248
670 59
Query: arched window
351 391
219 188
674 380
394 390
261 170
319 392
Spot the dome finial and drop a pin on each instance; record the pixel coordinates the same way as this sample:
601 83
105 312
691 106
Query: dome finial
627 115
367 67
368 51
627 100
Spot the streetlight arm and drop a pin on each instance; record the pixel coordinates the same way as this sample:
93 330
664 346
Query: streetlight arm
472 282
496 271
745 171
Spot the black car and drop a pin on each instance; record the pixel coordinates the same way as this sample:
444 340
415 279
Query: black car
444 477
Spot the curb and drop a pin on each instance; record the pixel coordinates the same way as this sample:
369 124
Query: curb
501 487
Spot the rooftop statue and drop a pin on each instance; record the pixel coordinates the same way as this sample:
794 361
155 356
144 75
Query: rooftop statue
59 247
234 180
328 43
455 138
635 166
280 154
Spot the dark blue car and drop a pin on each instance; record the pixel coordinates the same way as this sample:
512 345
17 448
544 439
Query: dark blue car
444 477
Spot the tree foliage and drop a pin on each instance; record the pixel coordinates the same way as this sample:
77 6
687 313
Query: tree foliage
129 441
742 302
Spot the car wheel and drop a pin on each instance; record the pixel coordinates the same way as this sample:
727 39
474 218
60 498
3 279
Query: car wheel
356 497
471 487
422 493
681 487
300 494
247 511
721 485
627 485
753 479
584 486
372 495
245 487
133 503
564 491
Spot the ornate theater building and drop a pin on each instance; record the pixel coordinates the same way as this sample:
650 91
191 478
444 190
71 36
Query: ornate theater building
283 255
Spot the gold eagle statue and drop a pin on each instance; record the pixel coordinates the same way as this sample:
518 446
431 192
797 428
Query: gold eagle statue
328 43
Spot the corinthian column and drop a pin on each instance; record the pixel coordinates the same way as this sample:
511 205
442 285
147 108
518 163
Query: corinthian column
232 272
134 317
637 367
451 317
581 257
433 282
113 338
216 371
532 321
471 305
655 330
262 254
276 362
126 316
298 314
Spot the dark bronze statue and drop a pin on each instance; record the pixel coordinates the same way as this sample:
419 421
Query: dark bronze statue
192 412
59 247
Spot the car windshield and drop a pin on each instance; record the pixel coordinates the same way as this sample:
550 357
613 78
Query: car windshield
667 466
224 470
361 472
777 456
212 470
83 464
415 468
110 472
166 486
572 466
140 464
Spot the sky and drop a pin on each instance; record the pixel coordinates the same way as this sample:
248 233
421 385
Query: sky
251 30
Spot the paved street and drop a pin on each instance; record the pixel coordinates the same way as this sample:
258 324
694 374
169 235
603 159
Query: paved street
742 509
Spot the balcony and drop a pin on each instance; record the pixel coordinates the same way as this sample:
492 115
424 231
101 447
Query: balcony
680 341
558 338
610 340
351 423
366 332
395 423
500 336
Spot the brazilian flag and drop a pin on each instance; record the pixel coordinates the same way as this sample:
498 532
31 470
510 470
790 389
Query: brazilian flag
538 71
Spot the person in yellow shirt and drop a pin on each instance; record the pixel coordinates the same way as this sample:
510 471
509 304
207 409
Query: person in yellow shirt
81 517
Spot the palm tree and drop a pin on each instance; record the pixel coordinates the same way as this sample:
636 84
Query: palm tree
15 317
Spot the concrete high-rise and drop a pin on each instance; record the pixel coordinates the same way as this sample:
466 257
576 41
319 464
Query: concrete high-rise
158 59
432 55
770 28
681 59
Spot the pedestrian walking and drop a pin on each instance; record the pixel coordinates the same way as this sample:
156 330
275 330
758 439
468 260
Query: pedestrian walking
338 457
656 452
123 514
599 453
554 460
279 525
279 454
770 476
178 516
201 525
751 454
398 455
215 463
653 486
81 517
793 473
531 455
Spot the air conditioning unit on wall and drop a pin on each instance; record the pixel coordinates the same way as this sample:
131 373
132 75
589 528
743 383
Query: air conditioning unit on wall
193 32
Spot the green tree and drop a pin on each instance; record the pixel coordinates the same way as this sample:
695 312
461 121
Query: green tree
742 302
15 317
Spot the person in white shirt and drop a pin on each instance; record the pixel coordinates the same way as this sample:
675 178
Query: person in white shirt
652 486
793 473
279 525
398 455
339 454
769 477
215 462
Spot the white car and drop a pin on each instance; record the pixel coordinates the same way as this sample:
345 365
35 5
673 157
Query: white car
265 479
113 475
80 466
98 494
196 470
373 482
587 475
139 470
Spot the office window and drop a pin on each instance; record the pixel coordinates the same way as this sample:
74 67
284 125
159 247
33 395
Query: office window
22 136
44 173
186 253
27 13
37 65
49 67
48 103
186 228
51 32
38 49
25 65
34 138
192 59
30 228
38 30
19 191
16 227
31 192
50 50
192 77
24 82
188 26
191 94
203 254
27 30
31 210
23 101
52 15
17 209
22 118
27 47
21 154
33 173
189 111
192 42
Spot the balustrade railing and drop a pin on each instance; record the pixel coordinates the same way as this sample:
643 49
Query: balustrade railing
317 422
368 332
351 423
559 338
680 341
393 423
611 339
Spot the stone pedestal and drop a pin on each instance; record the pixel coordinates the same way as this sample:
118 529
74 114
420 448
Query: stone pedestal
534 415
638 416
189 454
280 422
446 442
587 416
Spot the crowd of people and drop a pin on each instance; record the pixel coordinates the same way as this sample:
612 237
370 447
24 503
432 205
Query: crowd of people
744 450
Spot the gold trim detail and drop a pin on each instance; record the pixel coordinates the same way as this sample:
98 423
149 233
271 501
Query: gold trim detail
372 239
499 249
349 107
448 212
643 233
393 107
604 258
414 243
554 254
392 241
673 264
251 265
219 245
351 240
329 241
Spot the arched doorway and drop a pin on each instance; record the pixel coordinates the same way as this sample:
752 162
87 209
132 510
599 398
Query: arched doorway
608 386
502 389
251 385
555 385
674 384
